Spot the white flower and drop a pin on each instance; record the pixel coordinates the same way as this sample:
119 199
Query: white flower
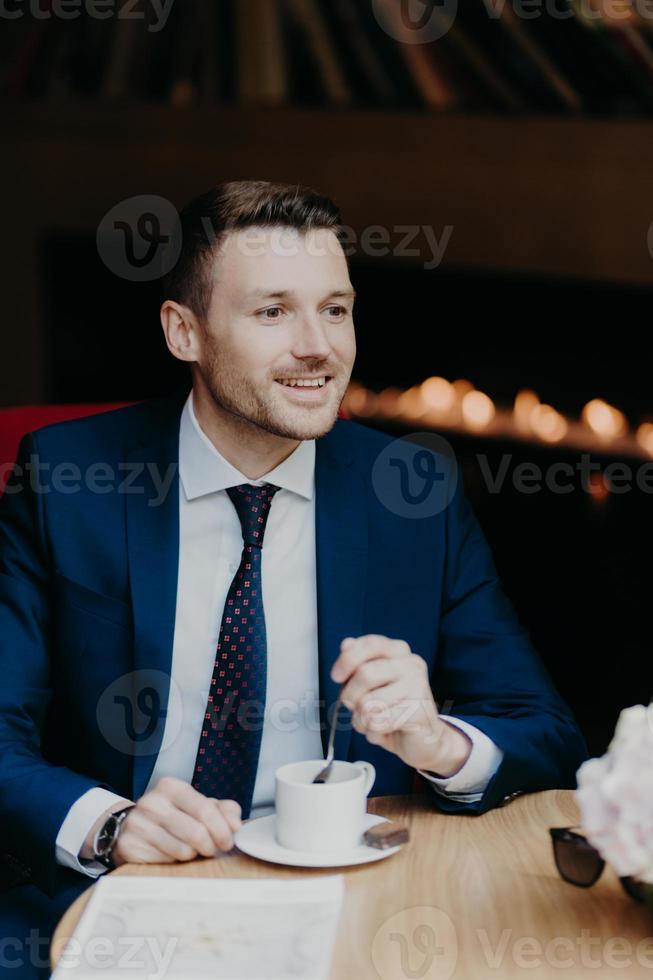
615 795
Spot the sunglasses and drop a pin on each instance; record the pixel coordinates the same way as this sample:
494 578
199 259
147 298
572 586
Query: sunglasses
579 863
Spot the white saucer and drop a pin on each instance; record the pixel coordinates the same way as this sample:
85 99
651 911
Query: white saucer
257 838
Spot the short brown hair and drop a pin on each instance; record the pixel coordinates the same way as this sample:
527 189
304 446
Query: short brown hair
232 206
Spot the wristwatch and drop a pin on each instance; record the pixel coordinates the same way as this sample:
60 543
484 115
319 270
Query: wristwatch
107 836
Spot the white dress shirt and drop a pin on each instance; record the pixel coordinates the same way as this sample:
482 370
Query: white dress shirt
210 547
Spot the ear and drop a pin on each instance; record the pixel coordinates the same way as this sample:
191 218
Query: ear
181 331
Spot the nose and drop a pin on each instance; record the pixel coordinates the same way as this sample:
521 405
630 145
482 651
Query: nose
310 340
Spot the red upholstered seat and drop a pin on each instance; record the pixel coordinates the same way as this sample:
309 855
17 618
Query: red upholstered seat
16 422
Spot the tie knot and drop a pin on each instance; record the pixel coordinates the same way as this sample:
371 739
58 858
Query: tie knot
253 507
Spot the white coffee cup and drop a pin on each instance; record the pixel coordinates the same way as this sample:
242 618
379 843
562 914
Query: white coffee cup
322 816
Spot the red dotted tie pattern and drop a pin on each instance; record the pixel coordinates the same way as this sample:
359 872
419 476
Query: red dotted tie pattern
230 742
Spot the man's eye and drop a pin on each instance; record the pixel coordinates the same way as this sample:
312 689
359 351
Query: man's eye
272 313
336 310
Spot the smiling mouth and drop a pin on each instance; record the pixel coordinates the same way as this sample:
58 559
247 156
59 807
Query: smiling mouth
319 381
306 390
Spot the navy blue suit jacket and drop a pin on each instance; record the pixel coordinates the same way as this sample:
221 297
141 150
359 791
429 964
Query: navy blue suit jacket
88 581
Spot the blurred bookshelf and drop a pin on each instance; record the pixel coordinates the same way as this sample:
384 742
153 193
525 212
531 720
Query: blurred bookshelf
530 137
571 57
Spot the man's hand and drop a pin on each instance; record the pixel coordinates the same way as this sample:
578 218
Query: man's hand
173 822
387 688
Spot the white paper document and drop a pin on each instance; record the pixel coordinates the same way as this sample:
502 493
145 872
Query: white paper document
173 928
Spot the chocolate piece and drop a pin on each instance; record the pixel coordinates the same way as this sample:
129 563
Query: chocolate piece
384 835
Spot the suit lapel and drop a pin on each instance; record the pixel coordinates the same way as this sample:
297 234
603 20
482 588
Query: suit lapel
152 504
341 538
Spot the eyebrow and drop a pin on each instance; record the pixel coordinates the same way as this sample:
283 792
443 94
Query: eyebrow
285 293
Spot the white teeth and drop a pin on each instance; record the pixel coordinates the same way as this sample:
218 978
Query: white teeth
303 382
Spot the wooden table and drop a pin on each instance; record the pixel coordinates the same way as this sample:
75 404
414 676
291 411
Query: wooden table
468 897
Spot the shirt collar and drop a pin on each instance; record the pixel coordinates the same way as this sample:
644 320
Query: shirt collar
203 470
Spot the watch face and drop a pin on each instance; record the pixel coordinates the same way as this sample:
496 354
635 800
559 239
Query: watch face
106 835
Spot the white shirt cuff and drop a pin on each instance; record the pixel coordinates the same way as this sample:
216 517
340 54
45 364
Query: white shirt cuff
470 782
77 823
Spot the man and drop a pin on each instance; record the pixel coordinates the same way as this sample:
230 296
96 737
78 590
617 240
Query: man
182 622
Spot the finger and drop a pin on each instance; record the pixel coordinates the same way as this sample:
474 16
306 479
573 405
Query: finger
214 824
411 670
393 708
144 840
369 676
232 812
187 829
202 809
133 851
354 652
145 835
220 825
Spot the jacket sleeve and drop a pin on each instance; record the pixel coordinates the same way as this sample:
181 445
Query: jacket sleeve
469 783
35 795
488 674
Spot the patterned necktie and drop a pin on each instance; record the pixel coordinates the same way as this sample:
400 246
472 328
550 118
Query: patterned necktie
228 750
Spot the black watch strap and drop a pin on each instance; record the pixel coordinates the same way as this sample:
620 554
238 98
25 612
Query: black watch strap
107 836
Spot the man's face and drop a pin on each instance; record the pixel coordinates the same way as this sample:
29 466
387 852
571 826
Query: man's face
281 312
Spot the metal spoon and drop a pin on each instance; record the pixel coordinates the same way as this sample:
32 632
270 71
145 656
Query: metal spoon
324 774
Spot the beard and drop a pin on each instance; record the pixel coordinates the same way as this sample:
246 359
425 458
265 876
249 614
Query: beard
269 410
